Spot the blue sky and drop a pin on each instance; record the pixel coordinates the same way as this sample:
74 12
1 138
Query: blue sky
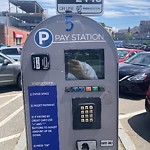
119 14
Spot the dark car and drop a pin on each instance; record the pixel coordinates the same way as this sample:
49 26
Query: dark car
10 71
145 48
134 74
147 101
124 53
13 52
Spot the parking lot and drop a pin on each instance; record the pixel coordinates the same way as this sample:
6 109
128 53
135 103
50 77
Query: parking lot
11 118
133 128
134 122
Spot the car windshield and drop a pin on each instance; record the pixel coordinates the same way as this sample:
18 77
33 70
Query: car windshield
140 59
122 54
11 51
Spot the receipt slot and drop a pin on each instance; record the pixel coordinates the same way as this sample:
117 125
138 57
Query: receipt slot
70 86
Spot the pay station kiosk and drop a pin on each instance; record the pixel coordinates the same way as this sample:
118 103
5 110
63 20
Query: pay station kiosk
70 86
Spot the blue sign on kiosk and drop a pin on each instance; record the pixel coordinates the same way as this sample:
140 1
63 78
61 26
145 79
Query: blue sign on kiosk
70 85
43 38
43 117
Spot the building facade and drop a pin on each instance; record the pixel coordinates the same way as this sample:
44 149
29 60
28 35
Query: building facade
15 26
27 14
12 36
144 27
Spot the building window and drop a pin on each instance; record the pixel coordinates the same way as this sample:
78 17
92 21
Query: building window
18 41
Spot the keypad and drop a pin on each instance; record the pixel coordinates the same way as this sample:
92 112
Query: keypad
87 113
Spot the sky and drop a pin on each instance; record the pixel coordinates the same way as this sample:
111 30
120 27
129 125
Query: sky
119 14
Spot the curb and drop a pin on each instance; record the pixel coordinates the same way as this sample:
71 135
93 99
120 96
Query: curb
125 139
21 144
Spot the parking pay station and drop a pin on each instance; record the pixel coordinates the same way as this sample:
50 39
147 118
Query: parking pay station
70 85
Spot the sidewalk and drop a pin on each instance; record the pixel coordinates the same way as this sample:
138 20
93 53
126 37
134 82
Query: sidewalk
21 145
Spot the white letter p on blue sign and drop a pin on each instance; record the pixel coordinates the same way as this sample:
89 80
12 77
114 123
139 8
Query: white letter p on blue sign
43 38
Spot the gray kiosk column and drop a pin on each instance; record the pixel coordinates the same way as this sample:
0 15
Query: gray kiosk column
70 85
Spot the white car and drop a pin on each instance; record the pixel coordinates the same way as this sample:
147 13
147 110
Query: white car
13 52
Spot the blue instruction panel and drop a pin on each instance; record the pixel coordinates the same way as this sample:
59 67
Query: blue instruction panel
44 117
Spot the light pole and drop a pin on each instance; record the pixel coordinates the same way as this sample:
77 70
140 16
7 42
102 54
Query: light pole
7 34
7 25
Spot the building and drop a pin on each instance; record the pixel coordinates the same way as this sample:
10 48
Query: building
144 27
133 30
27 15
137 35
12 36
16 24
109 30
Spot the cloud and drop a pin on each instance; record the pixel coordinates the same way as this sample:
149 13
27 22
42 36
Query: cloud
112 8
113 14
4 5
118 8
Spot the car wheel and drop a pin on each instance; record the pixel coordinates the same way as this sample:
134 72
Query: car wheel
19 82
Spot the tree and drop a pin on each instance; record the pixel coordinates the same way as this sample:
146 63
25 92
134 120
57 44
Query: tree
102 24
127 37
129 30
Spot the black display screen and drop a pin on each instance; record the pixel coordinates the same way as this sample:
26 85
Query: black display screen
84 64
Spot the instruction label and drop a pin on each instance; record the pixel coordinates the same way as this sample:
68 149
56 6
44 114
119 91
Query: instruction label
43 117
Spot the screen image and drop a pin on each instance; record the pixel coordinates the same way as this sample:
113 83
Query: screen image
84 64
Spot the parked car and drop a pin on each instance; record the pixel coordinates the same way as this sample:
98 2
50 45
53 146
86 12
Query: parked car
10 71
147 101
1 45
134 74
124 53
145 47
133 46
12 51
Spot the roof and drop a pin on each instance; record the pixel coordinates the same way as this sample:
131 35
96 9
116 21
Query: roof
28 6
126 49
28 17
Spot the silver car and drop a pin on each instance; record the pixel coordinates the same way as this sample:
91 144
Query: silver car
10 71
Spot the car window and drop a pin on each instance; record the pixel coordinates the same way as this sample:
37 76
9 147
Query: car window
1 59
122 53
11 51
140 59
132 54
20 49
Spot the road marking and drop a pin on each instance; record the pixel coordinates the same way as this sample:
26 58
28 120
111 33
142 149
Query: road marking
11 100
11 116
129 115
9 137
8 95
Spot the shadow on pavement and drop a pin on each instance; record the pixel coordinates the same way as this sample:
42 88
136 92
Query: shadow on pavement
141 125
131 96
10 88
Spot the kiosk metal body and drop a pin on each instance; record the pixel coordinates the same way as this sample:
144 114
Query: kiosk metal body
65 109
